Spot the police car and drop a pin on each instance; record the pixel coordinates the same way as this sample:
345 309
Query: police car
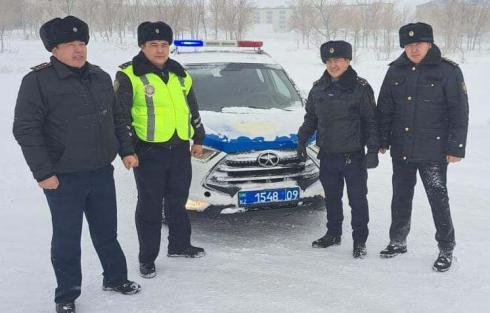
251 111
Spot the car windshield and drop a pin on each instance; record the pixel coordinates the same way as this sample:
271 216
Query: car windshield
221 86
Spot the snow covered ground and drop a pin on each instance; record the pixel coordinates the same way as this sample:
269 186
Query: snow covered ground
262 261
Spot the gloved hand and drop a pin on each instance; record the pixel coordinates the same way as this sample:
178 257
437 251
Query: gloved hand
372 160
302 155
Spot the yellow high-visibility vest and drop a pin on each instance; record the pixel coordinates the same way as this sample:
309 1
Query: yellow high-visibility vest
160 109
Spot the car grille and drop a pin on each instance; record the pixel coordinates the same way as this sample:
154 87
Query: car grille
261 167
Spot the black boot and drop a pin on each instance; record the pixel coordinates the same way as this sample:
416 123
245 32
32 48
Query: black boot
189 252
393 250
126 288
359 250
147 270
65 307
444 261
326 241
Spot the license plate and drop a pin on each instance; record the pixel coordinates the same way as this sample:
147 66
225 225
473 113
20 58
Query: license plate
268 196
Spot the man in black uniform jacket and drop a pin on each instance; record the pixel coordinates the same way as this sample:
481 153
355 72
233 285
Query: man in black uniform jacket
341 109
423 118
70 130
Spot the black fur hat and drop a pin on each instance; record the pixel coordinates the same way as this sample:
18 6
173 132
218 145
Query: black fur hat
415 32
154 31
61 30
335 49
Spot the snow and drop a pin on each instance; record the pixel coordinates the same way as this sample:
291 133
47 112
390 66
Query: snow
269 124
258 261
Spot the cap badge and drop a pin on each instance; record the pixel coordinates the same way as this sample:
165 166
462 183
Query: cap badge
75 29
411 33
157 31
332 50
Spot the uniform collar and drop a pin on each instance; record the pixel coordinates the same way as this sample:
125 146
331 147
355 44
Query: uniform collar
346 81
142 66
63 71
433 57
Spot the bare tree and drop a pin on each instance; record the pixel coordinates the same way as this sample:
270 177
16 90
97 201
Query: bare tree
236 18
215 9
328 11
10 18
302 19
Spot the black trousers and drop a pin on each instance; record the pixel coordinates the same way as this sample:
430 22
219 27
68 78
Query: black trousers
164 174
334 170
433 177
92 193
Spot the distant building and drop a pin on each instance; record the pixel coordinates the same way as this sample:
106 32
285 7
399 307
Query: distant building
278 17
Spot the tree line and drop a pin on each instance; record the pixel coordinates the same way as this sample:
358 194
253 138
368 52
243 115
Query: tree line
115 19
459 25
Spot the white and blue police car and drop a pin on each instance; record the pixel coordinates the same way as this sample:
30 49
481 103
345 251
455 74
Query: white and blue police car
251 111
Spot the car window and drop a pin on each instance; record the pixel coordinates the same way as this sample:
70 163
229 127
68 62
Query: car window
224 85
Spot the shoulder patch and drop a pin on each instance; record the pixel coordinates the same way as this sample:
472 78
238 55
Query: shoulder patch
124 65
450 62
41 66
362 81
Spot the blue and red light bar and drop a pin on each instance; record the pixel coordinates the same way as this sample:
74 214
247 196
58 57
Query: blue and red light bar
219 43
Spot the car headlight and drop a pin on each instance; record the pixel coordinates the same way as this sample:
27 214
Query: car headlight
207 154
196 205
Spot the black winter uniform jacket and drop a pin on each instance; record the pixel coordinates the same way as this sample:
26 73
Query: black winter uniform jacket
423 109
343 114
141 66
66 122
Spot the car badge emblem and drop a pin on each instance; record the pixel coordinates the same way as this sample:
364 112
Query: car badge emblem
157 31
75 29
332 50
149 90
268 159
411 33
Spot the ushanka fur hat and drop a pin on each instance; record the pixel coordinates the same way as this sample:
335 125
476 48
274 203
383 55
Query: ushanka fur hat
62 30
335 49
415 32
148 31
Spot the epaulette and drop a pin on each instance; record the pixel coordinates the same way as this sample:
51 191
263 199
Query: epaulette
362 81
41 66
450 62
316 82
124 65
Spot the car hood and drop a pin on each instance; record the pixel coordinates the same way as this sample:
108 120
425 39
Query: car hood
245 129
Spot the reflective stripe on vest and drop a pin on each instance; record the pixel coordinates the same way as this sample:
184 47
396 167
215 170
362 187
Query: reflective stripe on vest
182 84
160 109
150 107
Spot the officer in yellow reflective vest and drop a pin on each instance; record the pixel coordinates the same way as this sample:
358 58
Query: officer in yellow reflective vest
163 114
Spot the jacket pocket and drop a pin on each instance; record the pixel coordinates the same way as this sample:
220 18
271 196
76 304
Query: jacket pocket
430 144
431 91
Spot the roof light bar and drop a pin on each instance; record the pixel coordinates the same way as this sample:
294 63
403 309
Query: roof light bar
188 43
256 45
221 43
250 44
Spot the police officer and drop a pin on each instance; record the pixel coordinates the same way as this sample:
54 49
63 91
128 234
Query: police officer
341 109
162 110
69 128
423 117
